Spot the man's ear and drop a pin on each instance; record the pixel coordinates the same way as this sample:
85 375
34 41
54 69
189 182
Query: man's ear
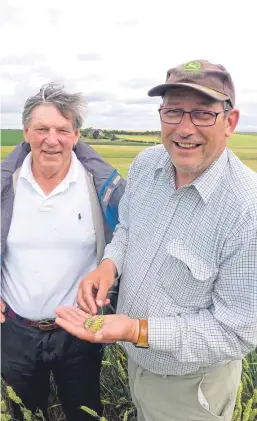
77 136
231 121
25 134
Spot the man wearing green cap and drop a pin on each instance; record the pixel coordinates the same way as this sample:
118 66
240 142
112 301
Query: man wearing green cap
186 250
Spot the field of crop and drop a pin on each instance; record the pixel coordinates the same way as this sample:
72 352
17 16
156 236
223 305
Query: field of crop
116 395
11 137
120 156
139 138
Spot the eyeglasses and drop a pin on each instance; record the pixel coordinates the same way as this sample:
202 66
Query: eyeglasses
198 118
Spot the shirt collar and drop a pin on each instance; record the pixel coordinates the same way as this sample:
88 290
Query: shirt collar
209 179
206 183
71 177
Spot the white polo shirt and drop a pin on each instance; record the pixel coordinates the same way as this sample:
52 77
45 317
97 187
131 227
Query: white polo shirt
51 244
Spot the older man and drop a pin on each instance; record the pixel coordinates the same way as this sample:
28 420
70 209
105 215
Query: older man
59 208
186 249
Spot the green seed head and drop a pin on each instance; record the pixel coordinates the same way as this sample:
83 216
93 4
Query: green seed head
98 324
89 322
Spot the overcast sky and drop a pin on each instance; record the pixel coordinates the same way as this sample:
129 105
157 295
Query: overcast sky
115 51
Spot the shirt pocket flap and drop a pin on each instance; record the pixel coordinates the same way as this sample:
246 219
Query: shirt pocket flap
199 267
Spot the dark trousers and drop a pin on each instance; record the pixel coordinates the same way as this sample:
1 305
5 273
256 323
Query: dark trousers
29 354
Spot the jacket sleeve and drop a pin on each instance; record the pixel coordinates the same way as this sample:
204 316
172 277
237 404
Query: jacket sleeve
116 250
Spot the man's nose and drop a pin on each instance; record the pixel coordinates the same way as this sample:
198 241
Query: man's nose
186 127
52 138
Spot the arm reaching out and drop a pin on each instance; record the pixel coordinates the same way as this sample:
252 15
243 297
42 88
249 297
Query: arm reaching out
93 289
116 327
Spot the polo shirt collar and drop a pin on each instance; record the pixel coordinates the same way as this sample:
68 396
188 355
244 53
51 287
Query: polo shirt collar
71 177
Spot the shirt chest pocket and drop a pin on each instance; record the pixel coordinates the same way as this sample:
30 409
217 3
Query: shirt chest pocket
189 276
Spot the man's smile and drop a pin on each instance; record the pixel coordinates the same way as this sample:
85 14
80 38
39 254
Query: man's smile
187 145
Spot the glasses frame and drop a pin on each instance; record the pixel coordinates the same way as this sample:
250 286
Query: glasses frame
189 112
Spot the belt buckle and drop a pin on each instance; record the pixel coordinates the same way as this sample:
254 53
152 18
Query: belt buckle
46 324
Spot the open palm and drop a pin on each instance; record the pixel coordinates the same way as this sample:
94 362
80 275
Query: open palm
116 327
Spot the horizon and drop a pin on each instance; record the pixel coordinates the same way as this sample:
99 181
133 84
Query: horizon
132 130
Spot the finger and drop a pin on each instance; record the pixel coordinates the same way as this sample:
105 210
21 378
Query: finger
71 315
88 297
81 313
78 331
2 318
75 312
107 301
81 302
102 293
3 305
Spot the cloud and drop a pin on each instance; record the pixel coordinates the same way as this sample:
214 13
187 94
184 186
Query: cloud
11 120
89 57
248 113
54 16
100 96
10 106
144 101
9 13
8 76
23 60
139 82
252 91
126 22
116 56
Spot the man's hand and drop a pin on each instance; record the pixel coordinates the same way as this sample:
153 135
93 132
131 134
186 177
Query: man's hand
2 310
116 327
93 289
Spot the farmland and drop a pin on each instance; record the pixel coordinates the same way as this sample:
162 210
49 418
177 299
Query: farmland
121 153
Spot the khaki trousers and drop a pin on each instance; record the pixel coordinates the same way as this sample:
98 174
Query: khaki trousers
206 395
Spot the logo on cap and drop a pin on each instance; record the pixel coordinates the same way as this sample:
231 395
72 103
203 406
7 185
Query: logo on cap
190 70
192 65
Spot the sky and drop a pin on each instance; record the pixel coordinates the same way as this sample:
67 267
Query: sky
115 51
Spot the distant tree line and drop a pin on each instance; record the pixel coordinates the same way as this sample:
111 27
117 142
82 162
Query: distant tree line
92 133
138 133
111 135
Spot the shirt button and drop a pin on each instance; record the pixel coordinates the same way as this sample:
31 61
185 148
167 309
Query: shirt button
45 208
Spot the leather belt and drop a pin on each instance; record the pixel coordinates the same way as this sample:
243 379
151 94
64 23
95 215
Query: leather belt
46 324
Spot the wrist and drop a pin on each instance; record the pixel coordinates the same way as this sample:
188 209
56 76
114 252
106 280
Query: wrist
142 334
108 264
135 330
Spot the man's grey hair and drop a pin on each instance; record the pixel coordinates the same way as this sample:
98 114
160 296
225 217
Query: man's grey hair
227 107
69 105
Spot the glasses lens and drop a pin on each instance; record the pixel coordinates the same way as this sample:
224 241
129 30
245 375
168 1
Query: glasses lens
203 118
171 116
